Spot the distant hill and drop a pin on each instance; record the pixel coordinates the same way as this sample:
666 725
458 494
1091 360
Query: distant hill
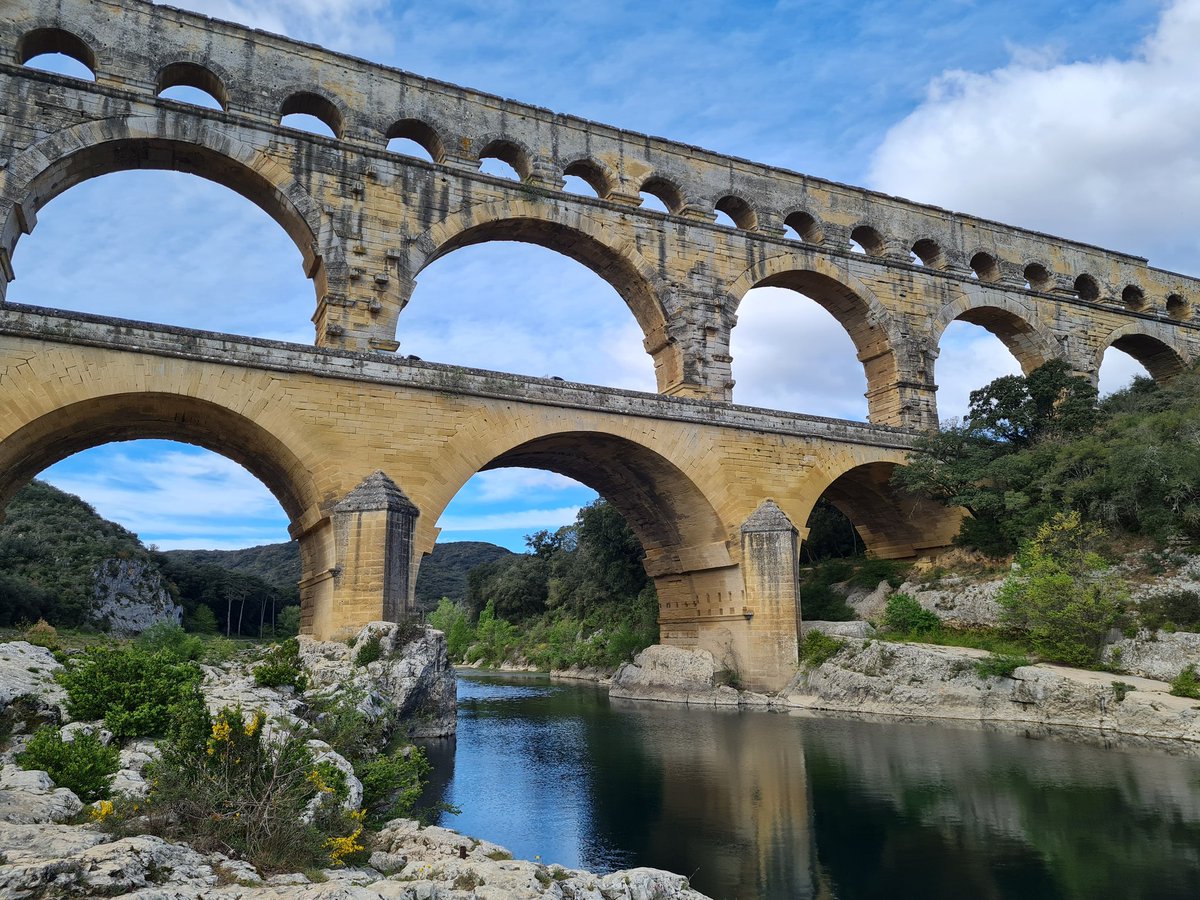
443 573
276 564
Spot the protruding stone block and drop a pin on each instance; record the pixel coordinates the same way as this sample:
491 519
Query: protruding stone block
373 530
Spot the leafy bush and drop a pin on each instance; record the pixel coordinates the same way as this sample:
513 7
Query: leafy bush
171 639
370 651
1057 597
339 721
1186 683
1000 665
1176 611
452 620
818 648
201 620
1120 689
282 668
42 634
132 690
392 783
83 765
220 785
903 614
287 623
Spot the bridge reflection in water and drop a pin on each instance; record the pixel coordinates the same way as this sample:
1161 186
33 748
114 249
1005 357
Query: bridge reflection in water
777 806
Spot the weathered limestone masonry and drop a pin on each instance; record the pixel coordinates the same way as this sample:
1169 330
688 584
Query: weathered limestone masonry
368 221
364 450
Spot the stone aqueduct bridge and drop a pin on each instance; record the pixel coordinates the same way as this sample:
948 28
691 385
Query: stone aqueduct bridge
364 449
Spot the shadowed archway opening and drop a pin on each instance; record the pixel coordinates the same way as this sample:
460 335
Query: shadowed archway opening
1157 358
543 299
821 357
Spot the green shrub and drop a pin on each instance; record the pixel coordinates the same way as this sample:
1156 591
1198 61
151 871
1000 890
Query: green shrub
818 647
339 722
1186 683
1176 611
872 571
201 620
1120 689
452 620
131 689
281 667
287 623
370 651
83 765
170 638
219 785
392 783
1058 598
903 614
42 634
999 665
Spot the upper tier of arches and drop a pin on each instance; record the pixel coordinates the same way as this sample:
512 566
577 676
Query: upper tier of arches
543 149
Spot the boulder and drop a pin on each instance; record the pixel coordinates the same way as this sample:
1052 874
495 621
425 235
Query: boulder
857 629
1158 654
675 675
411 680
27 673
960 602
30 798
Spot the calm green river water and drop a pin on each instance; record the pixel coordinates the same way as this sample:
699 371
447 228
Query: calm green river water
766 805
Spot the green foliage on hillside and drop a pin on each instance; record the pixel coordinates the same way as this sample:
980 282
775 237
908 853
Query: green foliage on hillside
1032 447
443 572
579 597
50 545
276 564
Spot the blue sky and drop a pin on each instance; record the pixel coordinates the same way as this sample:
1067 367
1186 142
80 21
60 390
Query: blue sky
1075 118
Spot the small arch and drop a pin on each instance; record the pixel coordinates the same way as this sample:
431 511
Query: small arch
866 239
664 191
929 253
1015 325
1038 277
1178 307
806 227
1133 297
188 75
409 135
512 154
311 106
985 267
592 174
49 41
1150 344
1087 288
740 213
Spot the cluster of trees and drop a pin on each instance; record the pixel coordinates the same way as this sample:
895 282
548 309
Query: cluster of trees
580 596
1034 446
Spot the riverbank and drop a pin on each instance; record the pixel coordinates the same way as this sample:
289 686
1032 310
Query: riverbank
931 682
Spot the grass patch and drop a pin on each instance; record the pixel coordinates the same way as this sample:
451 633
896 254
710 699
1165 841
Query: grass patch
819 648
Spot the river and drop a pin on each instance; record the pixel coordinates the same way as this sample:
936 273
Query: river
757 806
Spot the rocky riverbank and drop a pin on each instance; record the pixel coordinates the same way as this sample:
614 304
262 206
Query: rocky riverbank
51 847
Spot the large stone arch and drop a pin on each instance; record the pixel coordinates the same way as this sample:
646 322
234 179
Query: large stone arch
1016 324
133 415
177 142
1153 344
578 236
891 523
854 305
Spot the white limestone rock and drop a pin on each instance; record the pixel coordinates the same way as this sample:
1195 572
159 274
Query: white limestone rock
71 729
128 596
27 671
672 674
412 678
30 797
323 753
1160 654
856 629
959 601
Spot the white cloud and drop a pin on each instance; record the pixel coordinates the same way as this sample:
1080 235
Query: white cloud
1104 151
356 26
1117 369
505 521
970 357
498 485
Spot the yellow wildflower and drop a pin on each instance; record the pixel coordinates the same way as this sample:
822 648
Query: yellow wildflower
341 847
101 810
314 778
221 731
254 724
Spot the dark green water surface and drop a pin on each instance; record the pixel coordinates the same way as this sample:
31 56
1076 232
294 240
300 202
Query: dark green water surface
770 805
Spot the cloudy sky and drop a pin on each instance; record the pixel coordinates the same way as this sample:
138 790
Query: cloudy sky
1077 118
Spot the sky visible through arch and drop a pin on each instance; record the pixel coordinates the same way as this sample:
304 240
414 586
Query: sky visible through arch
1073 118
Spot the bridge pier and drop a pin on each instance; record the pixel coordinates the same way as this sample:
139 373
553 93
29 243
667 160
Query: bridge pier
373 546
770 560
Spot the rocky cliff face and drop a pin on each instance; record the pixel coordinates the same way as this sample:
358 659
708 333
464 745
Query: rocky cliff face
129 596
